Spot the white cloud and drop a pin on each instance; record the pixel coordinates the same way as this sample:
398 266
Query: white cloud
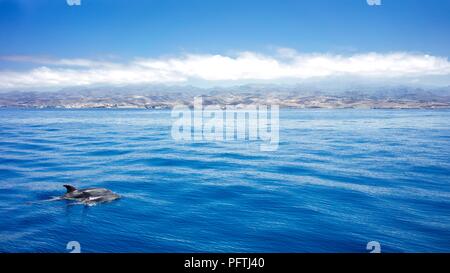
286 64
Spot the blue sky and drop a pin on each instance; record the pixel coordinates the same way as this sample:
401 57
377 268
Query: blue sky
121 31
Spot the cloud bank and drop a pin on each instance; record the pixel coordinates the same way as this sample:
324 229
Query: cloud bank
244 66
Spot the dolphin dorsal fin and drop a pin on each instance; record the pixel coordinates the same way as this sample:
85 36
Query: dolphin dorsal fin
70 188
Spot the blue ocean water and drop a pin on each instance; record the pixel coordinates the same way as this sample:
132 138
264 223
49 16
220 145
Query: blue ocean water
339 179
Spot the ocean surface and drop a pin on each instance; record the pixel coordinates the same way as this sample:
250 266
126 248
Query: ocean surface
339 179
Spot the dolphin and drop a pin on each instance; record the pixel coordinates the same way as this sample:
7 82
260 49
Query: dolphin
89 196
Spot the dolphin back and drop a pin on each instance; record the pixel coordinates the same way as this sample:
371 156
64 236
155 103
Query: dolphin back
90 196
70 188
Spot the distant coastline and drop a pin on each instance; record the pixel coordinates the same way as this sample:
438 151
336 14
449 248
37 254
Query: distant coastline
390 105
36 100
